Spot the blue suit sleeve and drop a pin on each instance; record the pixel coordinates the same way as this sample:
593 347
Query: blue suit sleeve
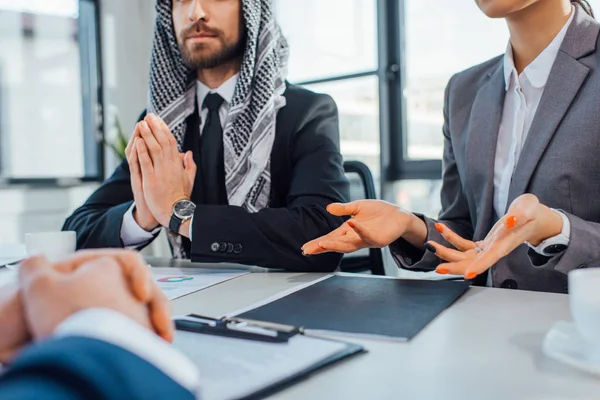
81 368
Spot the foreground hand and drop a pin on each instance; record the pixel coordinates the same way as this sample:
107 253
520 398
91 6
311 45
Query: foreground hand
374 224
49 296
165 179
142 214
526 221
14 333
140 282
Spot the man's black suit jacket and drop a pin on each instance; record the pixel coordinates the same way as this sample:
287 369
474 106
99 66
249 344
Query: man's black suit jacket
306 174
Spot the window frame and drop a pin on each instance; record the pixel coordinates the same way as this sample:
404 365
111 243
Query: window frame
391 73
395 161
90 47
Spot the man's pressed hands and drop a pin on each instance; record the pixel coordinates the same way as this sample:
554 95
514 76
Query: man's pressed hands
527 220
160 175
105 271
141 213
373 224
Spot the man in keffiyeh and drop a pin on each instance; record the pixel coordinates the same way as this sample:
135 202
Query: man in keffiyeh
237 164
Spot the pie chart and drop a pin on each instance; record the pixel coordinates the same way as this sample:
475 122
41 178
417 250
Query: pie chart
176 279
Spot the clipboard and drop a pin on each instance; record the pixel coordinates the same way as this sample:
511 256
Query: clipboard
269 378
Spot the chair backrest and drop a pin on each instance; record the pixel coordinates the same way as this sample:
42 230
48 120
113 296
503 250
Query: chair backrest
362 187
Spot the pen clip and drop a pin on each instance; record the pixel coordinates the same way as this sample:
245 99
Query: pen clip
233 329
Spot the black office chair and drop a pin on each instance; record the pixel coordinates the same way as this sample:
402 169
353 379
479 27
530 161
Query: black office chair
362 187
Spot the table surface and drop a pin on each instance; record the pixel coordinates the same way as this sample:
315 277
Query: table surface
488 345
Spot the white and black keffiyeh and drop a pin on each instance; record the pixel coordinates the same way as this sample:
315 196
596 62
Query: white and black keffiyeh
250 128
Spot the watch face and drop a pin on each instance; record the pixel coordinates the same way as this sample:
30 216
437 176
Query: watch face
184 209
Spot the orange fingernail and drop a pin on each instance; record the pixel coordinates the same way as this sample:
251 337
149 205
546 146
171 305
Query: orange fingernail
351 224
442 271
470 275
439 228
511 222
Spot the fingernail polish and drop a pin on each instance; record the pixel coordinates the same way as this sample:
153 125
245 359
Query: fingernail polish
442 271
430 248
511 222
439 228
351 224
470 275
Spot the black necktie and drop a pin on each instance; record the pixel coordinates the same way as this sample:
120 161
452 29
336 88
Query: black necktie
211 153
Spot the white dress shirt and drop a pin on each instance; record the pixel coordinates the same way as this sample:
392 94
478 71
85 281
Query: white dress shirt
134 236
523 95
115 328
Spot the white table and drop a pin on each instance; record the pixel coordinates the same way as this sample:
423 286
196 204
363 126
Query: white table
486 346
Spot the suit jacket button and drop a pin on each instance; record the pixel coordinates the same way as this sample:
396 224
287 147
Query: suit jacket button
230 247
509 284
223 247
214 247
238 248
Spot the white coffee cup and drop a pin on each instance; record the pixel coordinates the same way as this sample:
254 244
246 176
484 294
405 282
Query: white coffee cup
584 297
53 245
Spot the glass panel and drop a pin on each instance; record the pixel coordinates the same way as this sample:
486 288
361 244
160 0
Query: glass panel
419 196
41 123
433 55
66 8
329 38
358 106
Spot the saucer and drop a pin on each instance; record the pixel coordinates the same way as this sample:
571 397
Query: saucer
563 343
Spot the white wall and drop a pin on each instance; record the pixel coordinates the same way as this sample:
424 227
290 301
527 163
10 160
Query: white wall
127 28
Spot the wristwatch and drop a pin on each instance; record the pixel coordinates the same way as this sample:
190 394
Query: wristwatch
183 210
557 244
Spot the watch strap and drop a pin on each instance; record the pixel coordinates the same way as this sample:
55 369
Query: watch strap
175 224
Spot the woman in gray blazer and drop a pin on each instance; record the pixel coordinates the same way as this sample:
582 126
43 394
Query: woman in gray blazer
521 183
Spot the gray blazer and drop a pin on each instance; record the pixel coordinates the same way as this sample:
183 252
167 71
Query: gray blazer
559 162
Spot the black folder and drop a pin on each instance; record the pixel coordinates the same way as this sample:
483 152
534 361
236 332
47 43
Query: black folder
380 307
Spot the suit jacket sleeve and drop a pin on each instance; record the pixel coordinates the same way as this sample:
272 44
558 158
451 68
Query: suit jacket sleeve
582 251
81 368
273 237
455 210
98 221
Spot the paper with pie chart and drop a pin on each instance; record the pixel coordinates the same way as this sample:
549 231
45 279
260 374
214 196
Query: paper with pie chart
178 282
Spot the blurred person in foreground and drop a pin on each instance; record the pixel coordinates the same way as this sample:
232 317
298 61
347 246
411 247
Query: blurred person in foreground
88 327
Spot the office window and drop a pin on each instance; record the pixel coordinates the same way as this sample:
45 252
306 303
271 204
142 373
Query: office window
49 90
358 106
463 37
333 50
387 64
441 38
329 38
